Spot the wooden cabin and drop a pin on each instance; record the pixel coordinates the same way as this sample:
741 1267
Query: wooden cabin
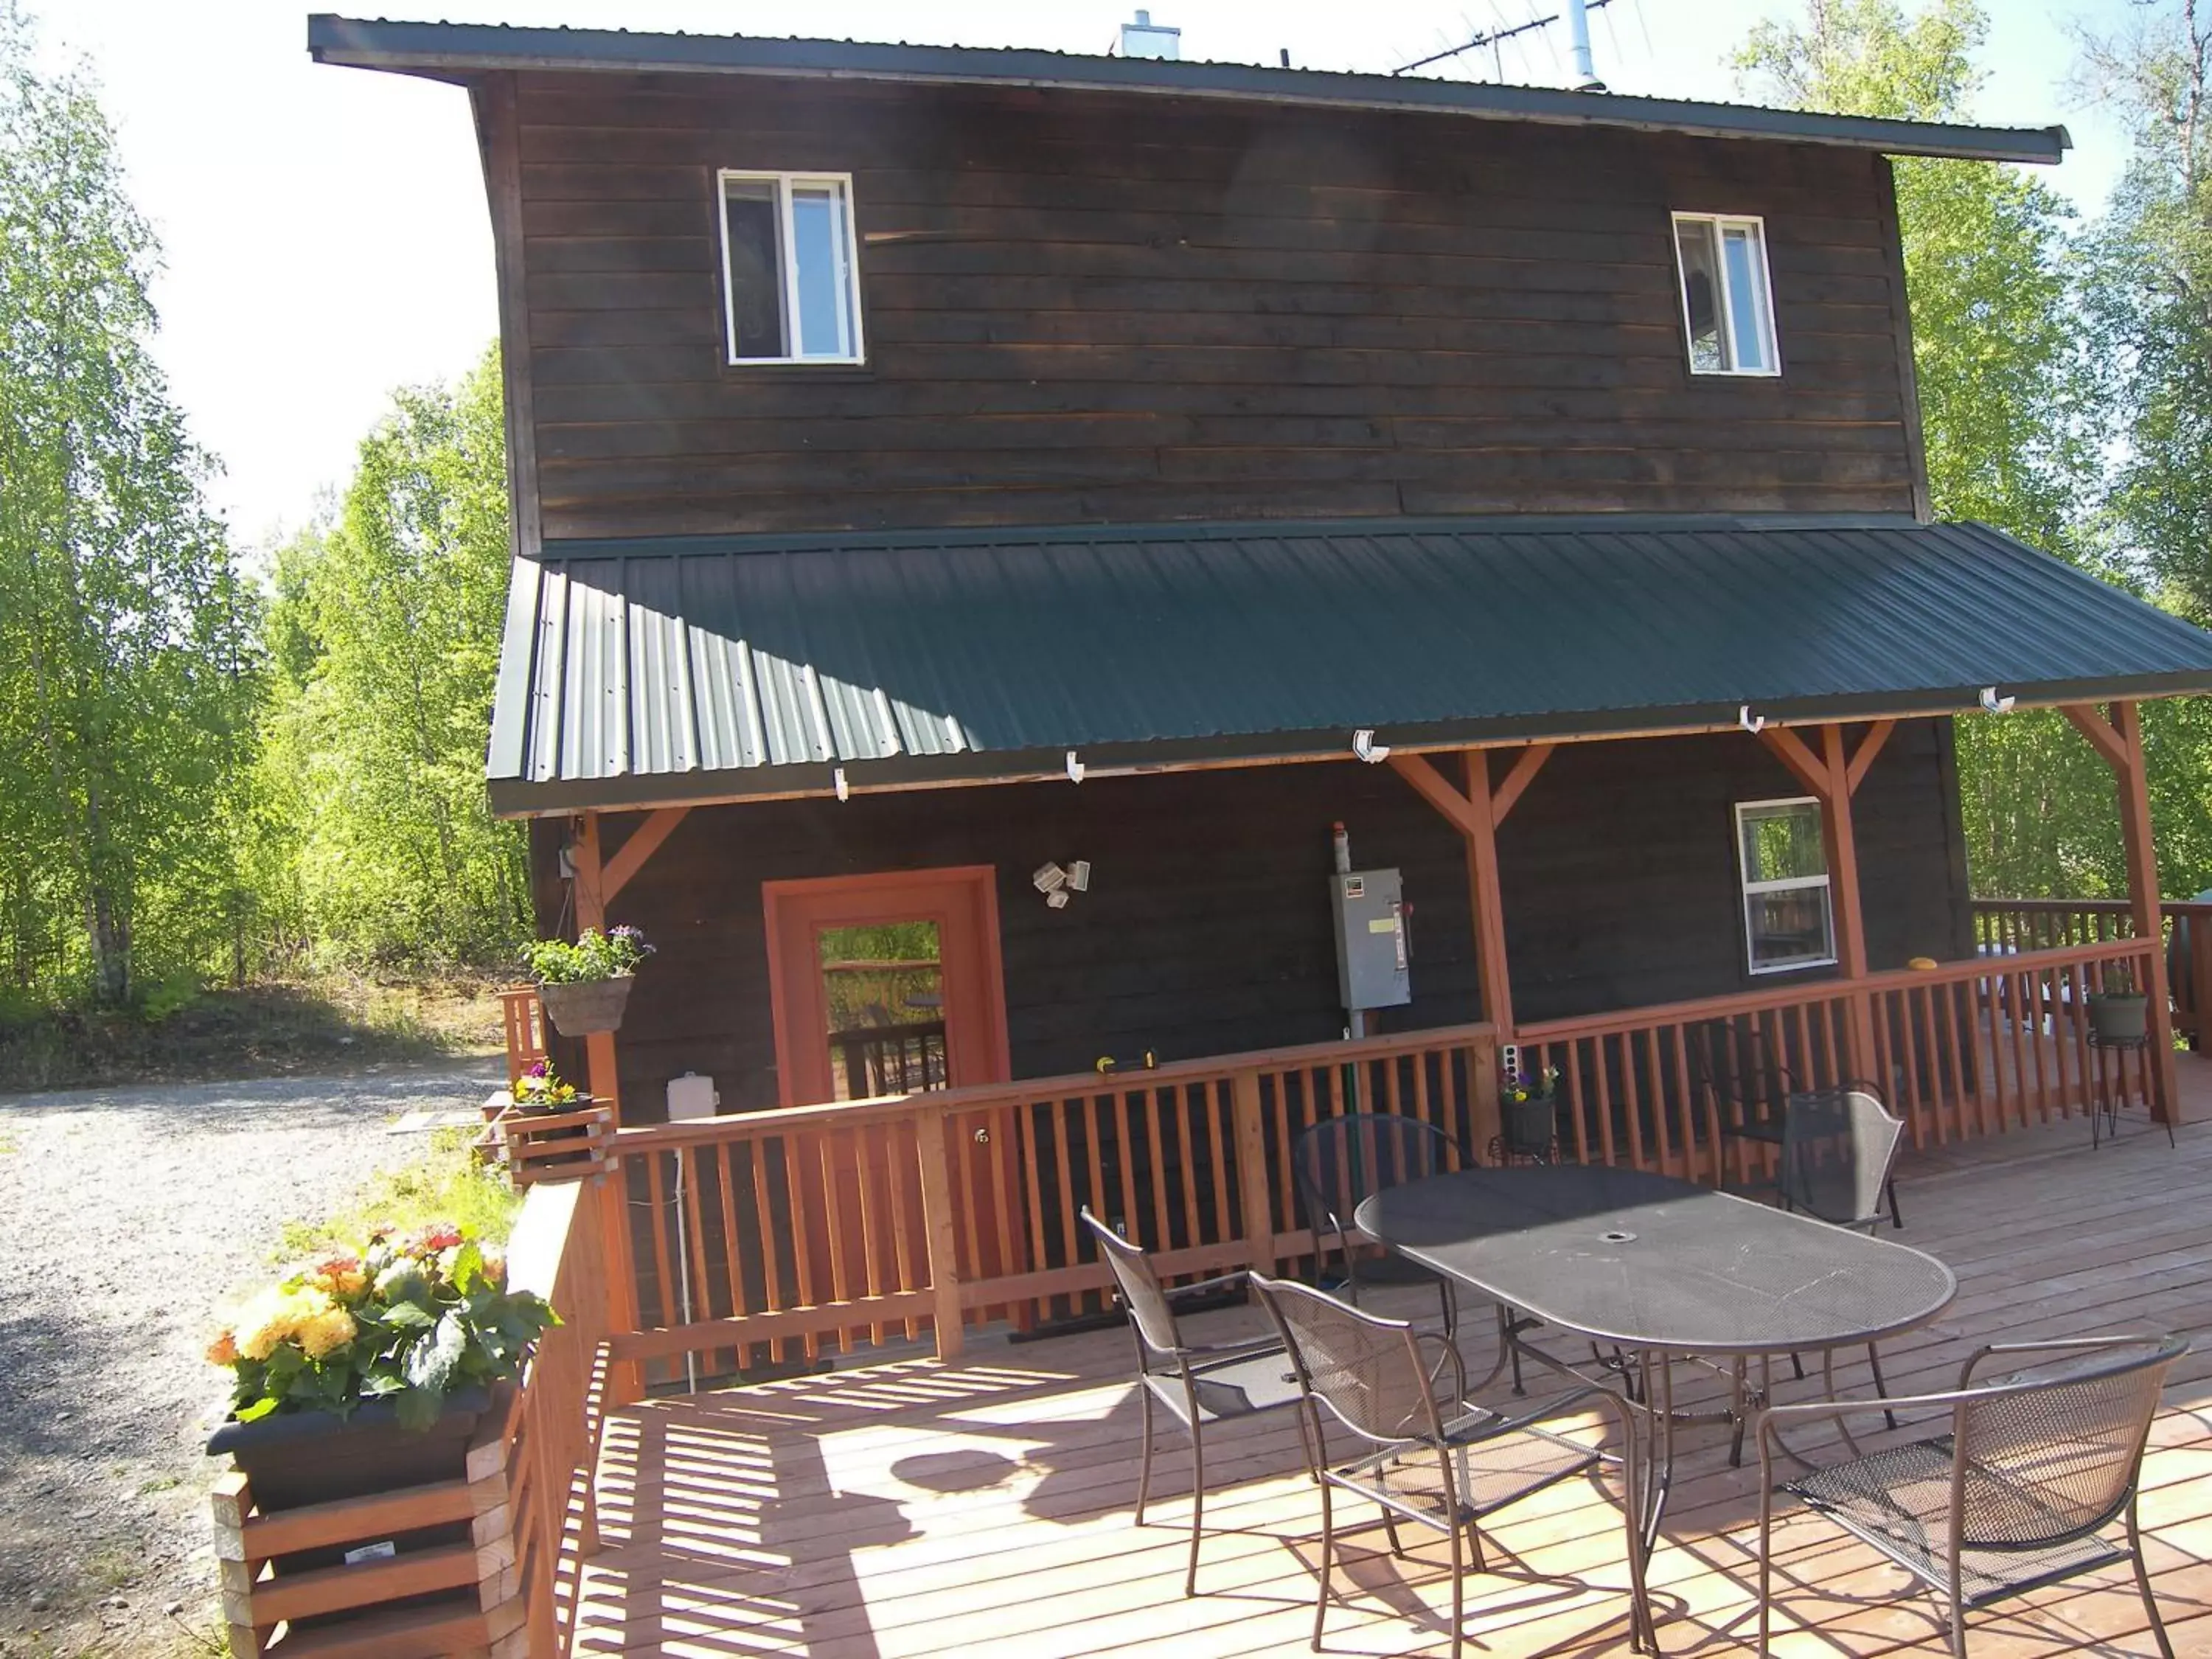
985 520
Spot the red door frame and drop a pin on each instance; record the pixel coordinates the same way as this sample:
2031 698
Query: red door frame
961 900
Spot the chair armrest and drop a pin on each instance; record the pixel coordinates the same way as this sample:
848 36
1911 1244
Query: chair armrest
1452 1356
1774 1418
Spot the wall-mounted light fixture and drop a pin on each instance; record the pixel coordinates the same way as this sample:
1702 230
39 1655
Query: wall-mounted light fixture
1751 723
1994 703
1364 746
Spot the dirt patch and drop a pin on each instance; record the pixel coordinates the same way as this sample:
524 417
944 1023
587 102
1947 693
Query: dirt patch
127 1218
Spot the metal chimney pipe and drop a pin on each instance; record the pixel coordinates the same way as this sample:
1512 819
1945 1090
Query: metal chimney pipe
1578 28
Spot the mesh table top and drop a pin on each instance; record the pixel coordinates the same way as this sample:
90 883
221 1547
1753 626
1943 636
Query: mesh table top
1651 1262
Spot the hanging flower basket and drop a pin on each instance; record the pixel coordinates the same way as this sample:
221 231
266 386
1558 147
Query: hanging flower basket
584 987
1533 1124
584 1006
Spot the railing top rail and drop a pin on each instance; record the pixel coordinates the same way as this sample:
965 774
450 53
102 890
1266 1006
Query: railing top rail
2100 907
840 1114
1824 990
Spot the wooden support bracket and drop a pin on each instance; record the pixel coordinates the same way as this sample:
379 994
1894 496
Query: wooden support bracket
1869 747
644 842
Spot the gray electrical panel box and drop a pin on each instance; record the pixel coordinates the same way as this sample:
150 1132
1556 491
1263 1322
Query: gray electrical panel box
1373 967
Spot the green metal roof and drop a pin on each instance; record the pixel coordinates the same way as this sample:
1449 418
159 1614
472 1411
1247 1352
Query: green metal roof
714 668
454 49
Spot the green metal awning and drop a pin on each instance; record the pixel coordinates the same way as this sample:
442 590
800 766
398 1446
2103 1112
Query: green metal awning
696 669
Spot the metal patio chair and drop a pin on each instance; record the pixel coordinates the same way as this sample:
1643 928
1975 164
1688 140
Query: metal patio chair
2034 1466
1195 1382
1340 1161
1428 1455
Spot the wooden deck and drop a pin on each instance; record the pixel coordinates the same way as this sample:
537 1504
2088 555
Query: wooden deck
983 1507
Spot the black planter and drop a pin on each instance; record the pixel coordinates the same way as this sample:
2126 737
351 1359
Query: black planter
290 1460
2117 1017
1530 1125
585 1007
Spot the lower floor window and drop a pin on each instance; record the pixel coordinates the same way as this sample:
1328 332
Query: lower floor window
1787 922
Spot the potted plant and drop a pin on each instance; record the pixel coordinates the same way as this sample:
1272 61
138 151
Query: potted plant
541 1090
583 987
367 1370
1529 1111
2119 1012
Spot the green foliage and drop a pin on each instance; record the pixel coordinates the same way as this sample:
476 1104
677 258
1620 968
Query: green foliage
594 956
374 837
410 1318
447 1183
128 672
2017 320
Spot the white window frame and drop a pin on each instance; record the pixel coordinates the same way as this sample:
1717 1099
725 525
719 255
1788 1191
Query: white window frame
848 322
1722 223
1749 889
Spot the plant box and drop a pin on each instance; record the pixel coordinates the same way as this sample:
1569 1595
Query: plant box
588 1006
292 1460
2119 1017
1530 1125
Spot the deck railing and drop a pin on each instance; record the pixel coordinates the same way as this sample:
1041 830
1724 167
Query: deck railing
2003 926
1965 1048
761 1239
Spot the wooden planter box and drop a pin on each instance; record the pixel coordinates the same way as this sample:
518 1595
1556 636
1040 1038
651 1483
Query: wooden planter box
424 1516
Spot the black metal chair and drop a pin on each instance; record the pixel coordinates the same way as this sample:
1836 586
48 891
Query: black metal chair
1196 1382
1340 1161
1370 1374
2032 1467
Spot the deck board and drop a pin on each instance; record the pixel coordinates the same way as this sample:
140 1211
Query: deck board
983 1508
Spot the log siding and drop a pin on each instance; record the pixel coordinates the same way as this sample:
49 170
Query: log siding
1085 308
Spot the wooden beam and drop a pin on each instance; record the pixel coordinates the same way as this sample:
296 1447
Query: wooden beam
940 1234
1485 895
1869 747
2126 728
1472 814
2094 726
1804 765
1530 761
591 912
1437 789
644 842
1840 842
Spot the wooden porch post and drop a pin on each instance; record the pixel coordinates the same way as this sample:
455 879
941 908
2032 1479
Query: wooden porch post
1831 776
2120 742
591 912
1476 813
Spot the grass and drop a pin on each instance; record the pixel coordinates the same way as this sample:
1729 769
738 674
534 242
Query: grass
445 1183
329 1023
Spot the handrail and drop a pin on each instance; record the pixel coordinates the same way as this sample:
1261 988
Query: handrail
845 1113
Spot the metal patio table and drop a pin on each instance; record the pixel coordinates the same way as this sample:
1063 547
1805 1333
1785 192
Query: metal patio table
1659 1269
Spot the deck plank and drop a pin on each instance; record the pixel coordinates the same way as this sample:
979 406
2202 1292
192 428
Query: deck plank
918 1511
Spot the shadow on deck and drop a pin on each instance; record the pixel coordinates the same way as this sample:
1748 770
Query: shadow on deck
982 1507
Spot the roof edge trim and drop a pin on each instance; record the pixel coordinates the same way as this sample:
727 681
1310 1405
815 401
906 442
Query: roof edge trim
405 47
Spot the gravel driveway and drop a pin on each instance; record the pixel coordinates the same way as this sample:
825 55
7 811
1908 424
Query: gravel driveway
127 1216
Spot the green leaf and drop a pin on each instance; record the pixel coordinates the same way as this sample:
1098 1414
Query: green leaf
430 1365
259 1409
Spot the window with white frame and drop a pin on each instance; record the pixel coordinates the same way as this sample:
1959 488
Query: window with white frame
1787 922
1728 303
791 285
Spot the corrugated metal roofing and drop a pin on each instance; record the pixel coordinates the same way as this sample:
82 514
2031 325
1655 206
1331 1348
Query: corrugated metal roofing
457 48
702 668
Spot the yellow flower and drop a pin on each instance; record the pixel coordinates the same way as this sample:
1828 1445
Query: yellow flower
276 1317
223 1350
326 1331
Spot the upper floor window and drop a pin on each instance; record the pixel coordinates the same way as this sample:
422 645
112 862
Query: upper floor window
791 286
1728 304
1787 922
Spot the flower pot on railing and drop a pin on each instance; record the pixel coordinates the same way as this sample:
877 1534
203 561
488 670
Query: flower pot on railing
2119 1016
1529 1126
586 1006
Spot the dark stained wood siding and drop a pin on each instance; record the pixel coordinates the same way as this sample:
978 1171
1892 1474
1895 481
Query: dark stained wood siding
1208 930
1086 308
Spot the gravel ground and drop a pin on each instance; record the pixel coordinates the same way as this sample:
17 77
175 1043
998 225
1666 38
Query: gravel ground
127 1217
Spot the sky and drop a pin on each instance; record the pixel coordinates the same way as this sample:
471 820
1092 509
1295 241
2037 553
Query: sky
324 234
